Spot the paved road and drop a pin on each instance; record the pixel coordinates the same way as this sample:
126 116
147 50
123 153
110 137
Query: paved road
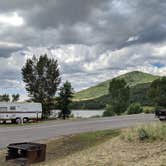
59 128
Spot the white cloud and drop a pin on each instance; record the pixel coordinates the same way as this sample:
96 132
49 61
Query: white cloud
160 51
12 19
132 38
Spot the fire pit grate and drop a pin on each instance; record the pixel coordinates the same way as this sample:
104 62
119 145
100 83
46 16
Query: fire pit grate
26 153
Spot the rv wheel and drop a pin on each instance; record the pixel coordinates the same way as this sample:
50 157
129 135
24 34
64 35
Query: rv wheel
18 120
25 120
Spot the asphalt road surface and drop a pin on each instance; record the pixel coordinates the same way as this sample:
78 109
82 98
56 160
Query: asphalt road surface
55 128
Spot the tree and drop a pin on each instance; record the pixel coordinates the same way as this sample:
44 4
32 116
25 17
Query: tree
134 108
109 111
15 97
157 92
41 76
65 99
120 95
5 98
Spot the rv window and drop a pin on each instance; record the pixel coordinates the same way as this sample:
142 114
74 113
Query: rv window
3 109
12 108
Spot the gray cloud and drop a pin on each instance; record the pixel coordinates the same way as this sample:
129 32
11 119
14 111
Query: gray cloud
52 14
88 37
109 23
6 51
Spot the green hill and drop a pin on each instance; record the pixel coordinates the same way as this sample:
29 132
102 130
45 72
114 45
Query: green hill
135 79
138 93
97 97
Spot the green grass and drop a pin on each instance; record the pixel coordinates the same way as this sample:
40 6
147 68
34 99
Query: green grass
16 125
132 78
24 124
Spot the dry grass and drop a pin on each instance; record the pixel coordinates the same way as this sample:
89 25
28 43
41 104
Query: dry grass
117 152
148 132
68 145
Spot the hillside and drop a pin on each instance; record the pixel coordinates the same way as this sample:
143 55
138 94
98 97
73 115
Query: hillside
132 78
138 93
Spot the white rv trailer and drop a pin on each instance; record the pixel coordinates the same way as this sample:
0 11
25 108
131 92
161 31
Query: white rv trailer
16 112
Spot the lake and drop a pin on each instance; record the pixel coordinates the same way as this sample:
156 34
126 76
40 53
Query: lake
87 113
81 113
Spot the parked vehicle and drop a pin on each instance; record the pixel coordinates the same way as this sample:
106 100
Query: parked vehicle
18 112
161 114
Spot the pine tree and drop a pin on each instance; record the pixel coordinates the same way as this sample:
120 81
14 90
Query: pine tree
65 99
120 95
157 92
15 97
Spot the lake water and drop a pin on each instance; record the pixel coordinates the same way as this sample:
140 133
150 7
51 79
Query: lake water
81 113
87 113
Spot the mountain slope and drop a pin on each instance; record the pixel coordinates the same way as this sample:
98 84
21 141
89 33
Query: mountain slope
132 78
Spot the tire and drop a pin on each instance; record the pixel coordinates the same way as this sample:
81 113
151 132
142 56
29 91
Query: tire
18 120
161 119
25 120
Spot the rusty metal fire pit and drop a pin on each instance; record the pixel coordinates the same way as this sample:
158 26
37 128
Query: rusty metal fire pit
26 153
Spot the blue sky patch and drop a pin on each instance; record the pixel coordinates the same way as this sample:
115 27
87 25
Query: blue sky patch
158 64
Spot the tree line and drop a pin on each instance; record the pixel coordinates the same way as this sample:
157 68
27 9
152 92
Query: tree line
120 102
8 98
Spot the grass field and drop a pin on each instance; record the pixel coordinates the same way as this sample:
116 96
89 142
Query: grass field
108 148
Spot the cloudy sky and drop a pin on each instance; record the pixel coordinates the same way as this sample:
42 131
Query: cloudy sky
93 40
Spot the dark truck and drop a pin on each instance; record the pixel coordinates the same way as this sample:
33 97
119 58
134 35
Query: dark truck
161 114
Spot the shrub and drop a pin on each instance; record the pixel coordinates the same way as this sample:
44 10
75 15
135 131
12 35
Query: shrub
109 111
150 132
143 134
148 109
134 108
